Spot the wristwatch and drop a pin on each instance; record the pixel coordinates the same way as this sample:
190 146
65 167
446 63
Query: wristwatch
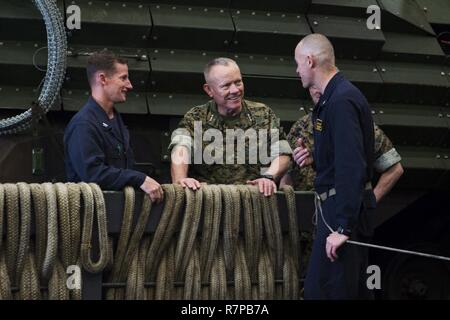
345 232
267 176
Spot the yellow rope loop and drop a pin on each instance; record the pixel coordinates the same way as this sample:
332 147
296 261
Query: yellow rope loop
75 222
29 280
290 276
242 282
248 227
12 229
25 226
156 248
188 231
218 286
125 231
257 229
192 283
265 276
208 207
51 250
77 294
103 259
135 279
294 233
130 291
64 223
211 230
5 284
57 289
2 204
165 288
273 232
40 212
231 200
136 236
141 293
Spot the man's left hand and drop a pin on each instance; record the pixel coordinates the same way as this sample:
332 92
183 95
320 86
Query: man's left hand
334 241
266 186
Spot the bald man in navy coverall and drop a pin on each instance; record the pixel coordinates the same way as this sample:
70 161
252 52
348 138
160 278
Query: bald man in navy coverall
343 158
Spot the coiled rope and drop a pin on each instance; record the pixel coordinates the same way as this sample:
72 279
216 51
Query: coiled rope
193 263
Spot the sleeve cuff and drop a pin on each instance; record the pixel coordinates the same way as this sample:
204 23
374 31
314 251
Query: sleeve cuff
387 160
180 138
280 148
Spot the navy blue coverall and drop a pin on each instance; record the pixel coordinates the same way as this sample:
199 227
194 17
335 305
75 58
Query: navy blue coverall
98 150
343 158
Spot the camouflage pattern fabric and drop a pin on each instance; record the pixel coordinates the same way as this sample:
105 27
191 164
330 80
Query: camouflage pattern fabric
303 179
231 171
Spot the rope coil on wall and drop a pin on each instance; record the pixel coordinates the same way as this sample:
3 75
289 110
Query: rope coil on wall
56 67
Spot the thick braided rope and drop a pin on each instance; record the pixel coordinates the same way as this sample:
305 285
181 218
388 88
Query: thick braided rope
273 233
57 289
64 223
165 279
265 276
192 282
156 247
290 276
242 282
52 231
5 284
2 204
278 236
257 230
218 286
29 280
75 221
125 231
40 213
141 293
188 231
130 290
135 277
211 230
136 236
12 229
249 232
231 221
25 226
294 233
75 231
208 207
90 193
156 250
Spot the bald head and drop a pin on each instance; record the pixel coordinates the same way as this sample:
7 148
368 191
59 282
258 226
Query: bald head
320 48
314 56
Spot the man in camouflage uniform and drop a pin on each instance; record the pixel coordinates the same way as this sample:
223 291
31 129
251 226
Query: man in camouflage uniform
224 122
387 161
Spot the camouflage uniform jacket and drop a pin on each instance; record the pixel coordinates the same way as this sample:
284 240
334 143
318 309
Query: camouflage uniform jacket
303 179
234 167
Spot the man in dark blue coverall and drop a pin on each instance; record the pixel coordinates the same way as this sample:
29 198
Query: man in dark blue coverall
97 143
343 158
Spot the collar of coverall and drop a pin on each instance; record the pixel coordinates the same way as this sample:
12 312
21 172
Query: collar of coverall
337 78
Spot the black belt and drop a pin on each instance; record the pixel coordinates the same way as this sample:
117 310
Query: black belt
325 195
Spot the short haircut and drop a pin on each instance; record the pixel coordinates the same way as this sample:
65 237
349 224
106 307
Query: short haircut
102 61
321 48
221 61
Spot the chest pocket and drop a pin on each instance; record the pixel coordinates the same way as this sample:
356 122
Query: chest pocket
115 152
